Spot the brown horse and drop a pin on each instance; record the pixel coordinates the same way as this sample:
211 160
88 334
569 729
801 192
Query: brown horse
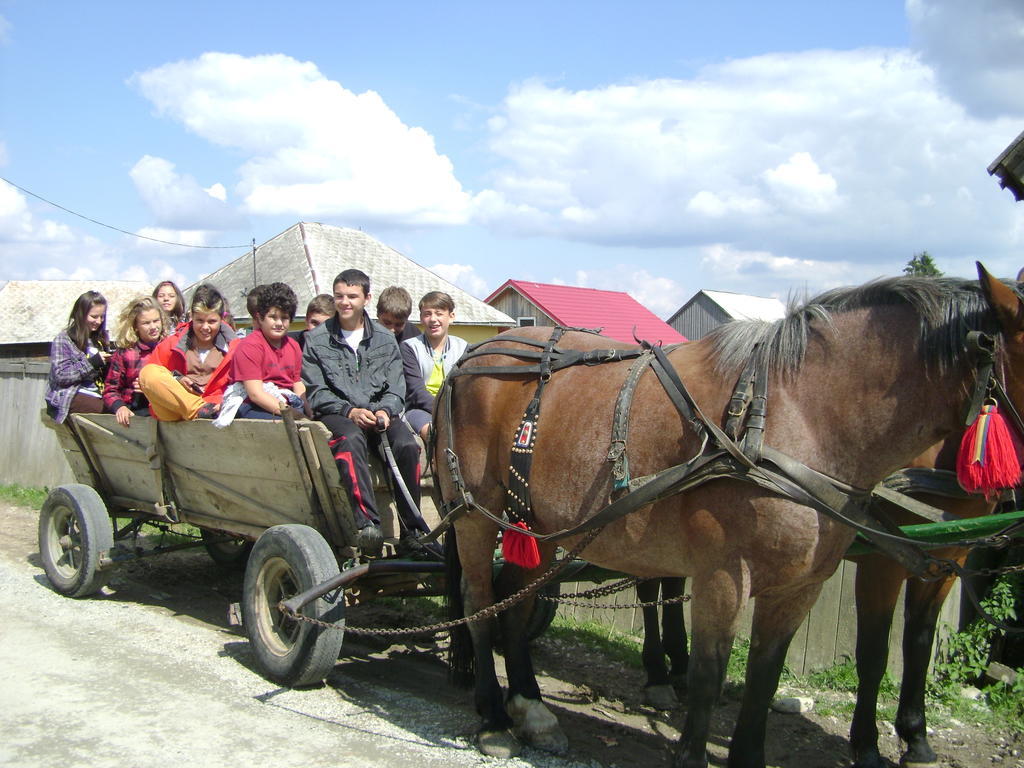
861 380
878 583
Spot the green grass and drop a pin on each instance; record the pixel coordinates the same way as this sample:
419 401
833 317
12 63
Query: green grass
23 496
614 644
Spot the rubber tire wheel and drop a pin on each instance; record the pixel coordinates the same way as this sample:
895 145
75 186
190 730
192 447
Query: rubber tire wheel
74 530
287 560
543 611
226 552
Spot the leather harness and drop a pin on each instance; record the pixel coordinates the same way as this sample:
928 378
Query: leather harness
737 452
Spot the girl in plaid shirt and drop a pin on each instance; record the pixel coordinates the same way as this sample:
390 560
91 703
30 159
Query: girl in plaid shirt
140 327
78 360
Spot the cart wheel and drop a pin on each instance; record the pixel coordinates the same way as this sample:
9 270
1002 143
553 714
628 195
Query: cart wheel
543 611
74 530
229 552
287 560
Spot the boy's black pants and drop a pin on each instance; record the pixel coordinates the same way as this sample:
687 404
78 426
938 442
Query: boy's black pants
350 445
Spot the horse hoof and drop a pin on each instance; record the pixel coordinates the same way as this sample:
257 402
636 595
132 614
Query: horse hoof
498 744
661 697
536 725
679 683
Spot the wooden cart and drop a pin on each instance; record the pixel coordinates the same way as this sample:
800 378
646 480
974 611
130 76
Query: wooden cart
271 487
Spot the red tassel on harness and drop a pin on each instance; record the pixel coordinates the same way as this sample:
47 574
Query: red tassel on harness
520 549
987 461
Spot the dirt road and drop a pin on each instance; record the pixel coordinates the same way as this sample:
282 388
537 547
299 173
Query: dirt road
150 674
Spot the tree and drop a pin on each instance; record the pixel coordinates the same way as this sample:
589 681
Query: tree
922 265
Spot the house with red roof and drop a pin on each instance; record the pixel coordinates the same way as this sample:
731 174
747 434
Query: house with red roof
617 314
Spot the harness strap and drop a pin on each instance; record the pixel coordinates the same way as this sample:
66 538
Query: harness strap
753 436
620 422
982 347
518 505
739 401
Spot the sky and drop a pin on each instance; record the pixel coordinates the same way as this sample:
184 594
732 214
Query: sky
659 148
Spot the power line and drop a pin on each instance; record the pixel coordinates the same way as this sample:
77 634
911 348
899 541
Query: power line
118 229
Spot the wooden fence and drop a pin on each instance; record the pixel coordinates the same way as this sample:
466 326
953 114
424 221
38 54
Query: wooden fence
30 455
29 452
827 636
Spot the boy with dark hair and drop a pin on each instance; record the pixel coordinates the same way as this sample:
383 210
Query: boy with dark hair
394 305
353 370
267 362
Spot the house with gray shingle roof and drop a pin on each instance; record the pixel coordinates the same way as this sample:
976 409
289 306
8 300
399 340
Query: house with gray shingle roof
308 256
33 312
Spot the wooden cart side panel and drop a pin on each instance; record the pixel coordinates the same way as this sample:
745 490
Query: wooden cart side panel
69 446
245 474
122 453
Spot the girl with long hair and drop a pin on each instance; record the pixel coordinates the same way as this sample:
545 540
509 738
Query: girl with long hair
140 327
78 360
171 301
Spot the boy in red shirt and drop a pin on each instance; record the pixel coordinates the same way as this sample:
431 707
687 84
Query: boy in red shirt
266 361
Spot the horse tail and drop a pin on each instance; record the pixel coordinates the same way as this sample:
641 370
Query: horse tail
460 642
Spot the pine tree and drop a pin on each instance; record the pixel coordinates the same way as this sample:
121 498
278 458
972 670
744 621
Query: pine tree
922 265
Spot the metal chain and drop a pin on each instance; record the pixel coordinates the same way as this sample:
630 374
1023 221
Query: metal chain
586 598
484 613
995 571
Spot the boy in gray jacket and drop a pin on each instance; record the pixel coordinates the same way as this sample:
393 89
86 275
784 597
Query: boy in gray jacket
353 374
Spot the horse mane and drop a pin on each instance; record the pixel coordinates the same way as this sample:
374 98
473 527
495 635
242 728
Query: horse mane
946 307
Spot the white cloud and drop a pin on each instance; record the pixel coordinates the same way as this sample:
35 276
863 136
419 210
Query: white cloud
314 148
34 247
5 31
754 271
464 276
178 200
975 48
819 156
661 295
217 192
800 184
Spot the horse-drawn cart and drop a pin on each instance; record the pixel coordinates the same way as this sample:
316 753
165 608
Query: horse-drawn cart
269 487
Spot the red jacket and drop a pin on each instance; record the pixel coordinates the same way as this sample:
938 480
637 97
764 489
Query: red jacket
170 353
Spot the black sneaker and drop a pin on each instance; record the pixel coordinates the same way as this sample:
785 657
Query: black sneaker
370 539
410 547
208 411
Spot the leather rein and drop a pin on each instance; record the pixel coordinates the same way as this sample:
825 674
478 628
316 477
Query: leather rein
735 452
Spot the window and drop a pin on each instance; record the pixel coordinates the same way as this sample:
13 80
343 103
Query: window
526 321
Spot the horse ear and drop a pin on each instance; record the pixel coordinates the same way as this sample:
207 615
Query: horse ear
1005 302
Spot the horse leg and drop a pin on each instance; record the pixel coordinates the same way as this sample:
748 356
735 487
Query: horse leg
674 631
718 600
658 691
923 603
475 550
878 585
777 617
533 722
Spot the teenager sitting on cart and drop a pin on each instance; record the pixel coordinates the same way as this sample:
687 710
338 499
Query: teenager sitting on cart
267 362
354 381
187 372
427 358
